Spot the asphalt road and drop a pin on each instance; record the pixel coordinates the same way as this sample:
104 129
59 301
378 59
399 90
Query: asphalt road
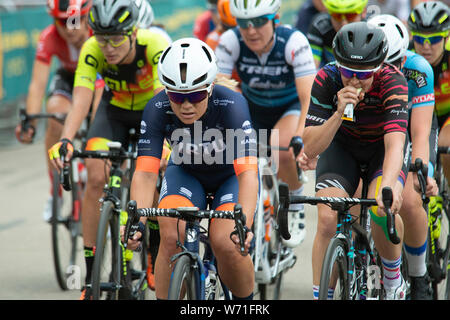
26 261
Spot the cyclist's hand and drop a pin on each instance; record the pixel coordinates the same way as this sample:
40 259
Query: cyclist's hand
247 243
25 136
134 242
348 95
306 163
432 188
64 147
396 203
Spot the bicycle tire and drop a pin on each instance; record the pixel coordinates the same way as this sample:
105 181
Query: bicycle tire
335 256
64 233
107 241
443 288
183 280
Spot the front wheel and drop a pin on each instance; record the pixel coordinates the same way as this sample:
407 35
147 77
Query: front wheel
335 271
183 280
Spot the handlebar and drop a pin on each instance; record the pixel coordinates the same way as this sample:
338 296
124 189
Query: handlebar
338 201
25 118
188 214
422 173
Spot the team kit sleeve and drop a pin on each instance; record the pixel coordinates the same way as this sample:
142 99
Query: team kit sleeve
44 49
423 87
238 119
151 139
89 64
395 100
299 55
321 107
227 52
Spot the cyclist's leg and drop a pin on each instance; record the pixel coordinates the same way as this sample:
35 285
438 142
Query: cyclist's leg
179 189
444 141
337 175
110 124
235 270
59 100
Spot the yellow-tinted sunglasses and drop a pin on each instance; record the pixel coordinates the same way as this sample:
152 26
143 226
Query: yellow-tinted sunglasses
115 40
431 39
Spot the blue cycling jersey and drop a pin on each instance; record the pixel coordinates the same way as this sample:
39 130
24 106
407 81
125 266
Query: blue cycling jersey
267 80
419 74
206 149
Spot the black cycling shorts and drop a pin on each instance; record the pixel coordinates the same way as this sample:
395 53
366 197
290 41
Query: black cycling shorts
340 165
62 84
112 123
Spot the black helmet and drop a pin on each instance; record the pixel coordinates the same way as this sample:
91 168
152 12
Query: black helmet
430 16
113 16
360 44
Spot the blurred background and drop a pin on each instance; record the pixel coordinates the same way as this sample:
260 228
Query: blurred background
21 22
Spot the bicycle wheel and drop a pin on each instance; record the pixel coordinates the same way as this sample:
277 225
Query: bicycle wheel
108 256
184 279
65 229
335 271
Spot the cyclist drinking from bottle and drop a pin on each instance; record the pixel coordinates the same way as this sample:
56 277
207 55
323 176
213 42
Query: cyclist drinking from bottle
126 58
276 68
197 118
359 116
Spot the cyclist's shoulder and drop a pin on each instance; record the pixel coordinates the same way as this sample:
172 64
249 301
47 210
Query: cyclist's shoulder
417 62
154 43
90 48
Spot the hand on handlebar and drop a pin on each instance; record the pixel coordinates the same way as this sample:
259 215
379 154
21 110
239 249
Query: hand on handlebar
25 134
397 200
247 243
62 150
135 238
306 163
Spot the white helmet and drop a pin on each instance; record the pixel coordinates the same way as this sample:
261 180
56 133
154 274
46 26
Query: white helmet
247 9
197 56
396 34
146 15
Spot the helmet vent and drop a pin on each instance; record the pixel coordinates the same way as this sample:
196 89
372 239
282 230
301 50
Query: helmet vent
165 54
183 71
351 37
170 81
400 30
369 38
207 53
200 79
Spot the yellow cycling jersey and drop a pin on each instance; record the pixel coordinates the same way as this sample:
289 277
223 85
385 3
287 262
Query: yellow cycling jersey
130 86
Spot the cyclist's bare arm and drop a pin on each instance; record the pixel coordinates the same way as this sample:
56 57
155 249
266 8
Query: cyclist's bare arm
36 93
142 190
304 86
420 131
392 164
82 100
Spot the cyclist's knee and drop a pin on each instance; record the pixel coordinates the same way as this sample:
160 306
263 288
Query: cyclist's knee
326 224
411 205
96 173
58 104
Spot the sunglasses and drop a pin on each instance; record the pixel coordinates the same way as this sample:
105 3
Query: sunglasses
359 74
193 97
429 38
257 22
344 16
63 22
115 40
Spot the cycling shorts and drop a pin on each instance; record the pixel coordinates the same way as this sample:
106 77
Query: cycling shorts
62 84
267 117
340 165
180 183
111 124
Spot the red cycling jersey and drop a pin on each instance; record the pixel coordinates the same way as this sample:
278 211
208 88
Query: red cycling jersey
52 44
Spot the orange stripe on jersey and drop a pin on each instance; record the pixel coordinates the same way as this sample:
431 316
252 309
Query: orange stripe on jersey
174 201
147 164
97 143
226 207
245 164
